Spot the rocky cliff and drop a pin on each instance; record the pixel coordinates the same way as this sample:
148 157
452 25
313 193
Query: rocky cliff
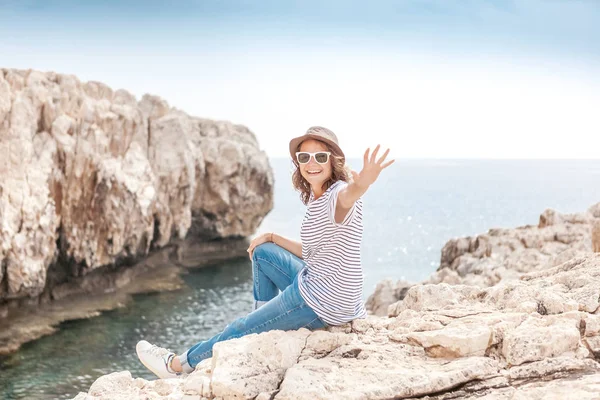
526 326
92 179
533 338
502 255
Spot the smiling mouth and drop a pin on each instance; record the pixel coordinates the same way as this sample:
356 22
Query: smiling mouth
313 172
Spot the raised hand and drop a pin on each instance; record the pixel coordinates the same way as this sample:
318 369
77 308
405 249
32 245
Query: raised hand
372 168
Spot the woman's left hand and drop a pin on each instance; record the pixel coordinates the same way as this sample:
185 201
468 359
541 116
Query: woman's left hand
372 168
264 238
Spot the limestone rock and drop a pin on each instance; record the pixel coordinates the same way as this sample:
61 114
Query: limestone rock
538 338
91 178
596 236
386 292
522 339
505 254
122 386
243 368
579 386
394 371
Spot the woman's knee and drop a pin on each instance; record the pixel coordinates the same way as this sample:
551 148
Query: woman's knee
262 250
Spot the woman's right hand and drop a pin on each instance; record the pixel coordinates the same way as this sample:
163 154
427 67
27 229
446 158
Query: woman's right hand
264 238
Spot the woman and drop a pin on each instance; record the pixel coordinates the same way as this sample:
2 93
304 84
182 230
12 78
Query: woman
320 278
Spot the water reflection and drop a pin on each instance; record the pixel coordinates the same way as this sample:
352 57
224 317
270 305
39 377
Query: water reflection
61 365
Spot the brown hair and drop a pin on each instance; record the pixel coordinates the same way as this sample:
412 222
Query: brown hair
340 171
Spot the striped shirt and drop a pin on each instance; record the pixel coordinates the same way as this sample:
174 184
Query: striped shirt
331 282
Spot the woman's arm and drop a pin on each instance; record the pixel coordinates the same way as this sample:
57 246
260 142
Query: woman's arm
290 245
361 182
346 199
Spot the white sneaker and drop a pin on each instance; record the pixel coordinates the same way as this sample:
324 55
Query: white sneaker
155 359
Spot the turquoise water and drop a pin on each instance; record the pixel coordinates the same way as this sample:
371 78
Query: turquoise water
409 214
61 365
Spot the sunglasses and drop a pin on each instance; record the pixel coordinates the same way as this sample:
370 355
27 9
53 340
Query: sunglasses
321 157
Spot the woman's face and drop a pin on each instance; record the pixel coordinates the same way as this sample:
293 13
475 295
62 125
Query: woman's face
316 174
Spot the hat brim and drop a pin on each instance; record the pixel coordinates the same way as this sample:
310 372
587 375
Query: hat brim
296 142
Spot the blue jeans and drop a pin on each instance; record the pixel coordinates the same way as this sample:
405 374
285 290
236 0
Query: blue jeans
274 269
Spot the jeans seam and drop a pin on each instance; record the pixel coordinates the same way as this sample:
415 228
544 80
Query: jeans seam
257 278
273 265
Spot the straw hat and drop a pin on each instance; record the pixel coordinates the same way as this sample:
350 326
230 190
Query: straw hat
317 133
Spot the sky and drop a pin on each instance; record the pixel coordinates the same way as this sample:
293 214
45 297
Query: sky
425 78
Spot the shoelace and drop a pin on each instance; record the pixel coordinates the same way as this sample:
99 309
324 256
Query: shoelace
159 351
